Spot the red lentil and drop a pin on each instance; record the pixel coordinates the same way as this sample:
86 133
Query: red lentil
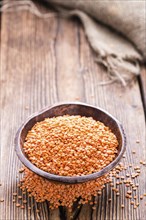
14 194
24 201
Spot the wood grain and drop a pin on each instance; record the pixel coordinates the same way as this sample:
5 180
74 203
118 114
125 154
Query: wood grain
46 61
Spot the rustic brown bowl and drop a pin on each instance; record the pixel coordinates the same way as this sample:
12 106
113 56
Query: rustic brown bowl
73 108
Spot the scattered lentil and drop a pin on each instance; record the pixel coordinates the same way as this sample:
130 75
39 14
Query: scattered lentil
24 201
94 208
129 191
77 98
14 194
21 170
137 141
26 107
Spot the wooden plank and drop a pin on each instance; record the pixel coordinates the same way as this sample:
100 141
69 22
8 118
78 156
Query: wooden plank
32 69
125 104
28 83
69 77
48 61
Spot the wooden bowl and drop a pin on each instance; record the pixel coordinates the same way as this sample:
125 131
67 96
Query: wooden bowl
72 108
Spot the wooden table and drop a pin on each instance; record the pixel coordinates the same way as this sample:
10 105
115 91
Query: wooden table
48 61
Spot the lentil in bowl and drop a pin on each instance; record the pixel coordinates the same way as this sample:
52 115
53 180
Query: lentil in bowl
82 113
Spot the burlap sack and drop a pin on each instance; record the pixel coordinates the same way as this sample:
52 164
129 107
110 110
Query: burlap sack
120 54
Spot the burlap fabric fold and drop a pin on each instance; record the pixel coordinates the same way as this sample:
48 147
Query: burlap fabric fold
116 30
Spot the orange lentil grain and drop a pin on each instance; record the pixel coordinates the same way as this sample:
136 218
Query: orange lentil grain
14 194
24 201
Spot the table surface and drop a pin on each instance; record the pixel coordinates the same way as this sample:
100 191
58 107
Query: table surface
45 61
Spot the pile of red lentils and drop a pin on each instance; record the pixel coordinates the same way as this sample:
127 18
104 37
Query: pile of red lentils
59 194
70 145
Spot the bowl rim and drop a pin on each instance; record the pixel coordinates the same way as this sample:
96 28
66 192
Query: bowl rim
68 179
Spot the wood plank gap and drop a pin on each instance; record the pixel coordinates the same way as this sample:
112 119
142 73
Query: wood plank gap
142 88
55 53
62 213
